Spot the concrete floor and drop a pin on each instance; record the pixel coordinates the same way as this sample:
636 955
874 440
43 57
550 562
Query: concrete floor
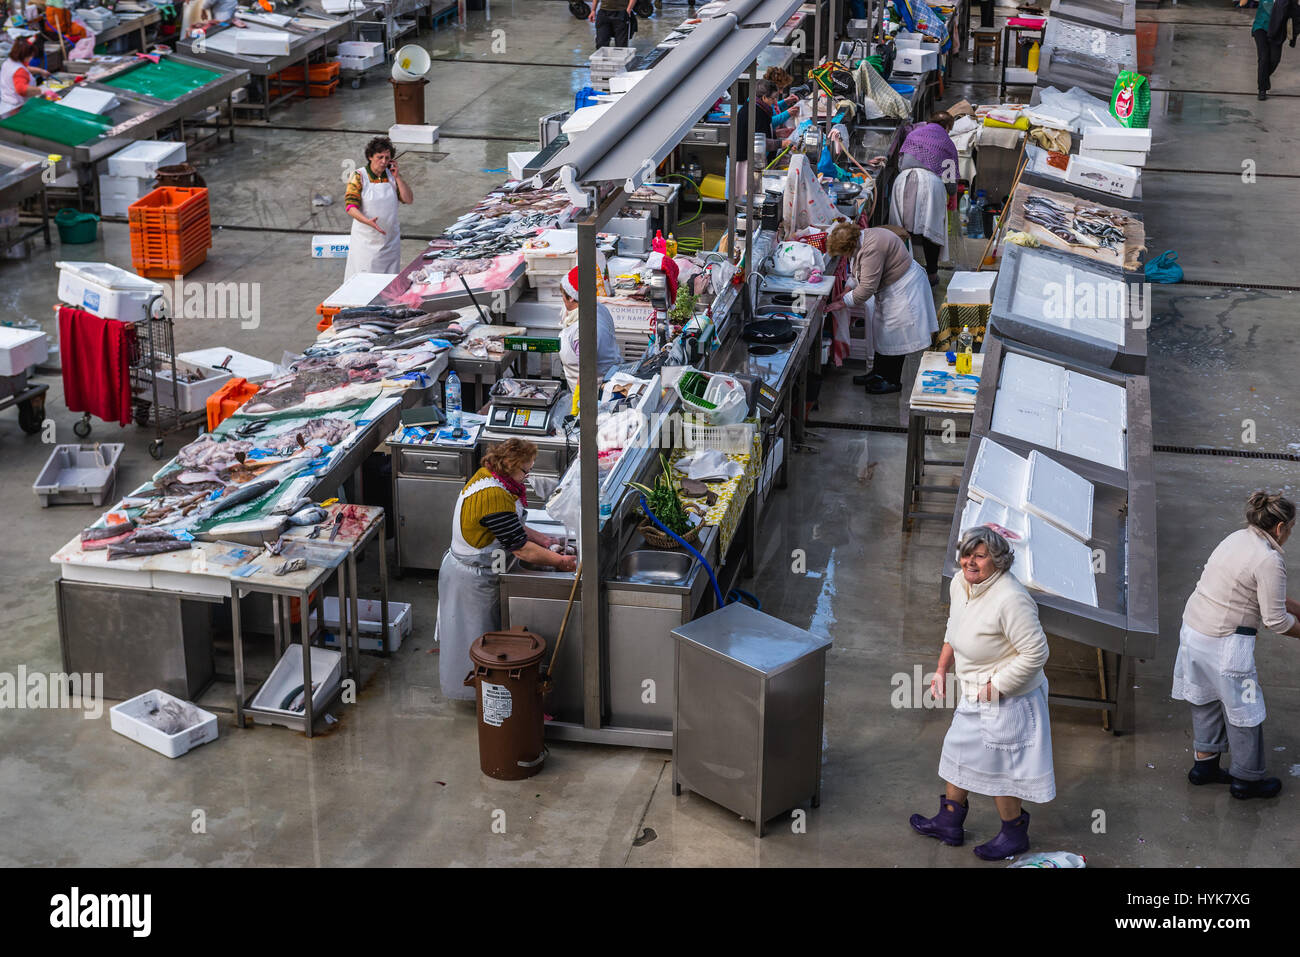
396 782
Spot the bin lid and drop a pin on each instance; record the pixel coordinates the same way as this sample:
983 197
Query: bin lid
756 642
515 648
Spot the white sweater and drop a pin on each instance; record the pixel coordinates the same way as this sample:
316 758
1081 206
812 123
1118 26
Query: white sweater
995 634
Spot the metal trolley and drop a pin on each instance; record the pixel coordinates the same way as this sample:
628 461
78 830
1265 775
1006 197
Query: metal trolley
154 356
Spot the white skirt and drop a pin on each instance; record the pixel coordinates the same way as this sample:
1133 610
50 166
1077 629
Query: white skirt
1002 749
1209 669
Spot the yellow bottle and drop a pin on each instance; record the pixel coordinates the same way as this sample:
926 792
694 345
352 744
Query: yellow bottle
671 250
965 351
1032 64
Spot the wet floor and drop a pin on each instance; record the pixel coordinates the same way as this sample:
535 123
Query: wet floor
397 780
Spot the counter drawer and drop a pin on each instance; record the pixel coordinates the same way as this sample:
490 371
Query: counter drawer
550 462
704 134
448 464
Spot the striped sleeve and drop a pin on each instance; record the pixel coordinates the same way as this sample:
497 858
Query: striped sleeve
507 529
353 195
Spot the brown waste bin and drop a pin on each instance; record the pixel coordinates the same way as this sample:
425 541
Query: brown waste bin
508 694
182 174
408 101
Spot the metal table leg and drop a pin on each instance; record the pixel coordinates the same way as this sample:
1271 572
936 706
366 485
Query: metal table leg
238 639
353 646
277 622
306 671
383 587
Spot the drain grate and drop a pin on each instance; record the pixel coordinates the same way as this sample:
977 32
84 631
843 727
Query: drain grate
1238 285
868 427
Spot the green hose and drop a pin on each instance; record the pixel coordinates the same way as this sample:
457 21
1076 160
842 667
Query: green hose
700 196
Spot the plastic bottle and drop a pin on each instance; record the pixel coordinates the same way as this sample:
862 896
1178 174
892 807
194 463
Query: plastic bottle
451 402
965 351
963 211
1061 859
975 217
1032 64
659 244
671 246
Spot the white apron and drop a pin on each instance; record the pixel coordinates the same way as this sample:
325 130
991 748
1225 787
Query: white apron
905 320
569 354
9 97
1211 669
919 203
1001 748
469 599
368 250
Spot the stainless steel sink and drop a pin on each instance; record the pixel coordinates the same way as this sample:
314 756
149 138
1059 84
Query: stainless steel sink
655 567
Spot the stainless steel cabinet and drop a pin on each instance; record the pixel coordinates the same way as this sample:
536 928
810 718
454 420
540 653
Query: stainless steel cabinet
426 483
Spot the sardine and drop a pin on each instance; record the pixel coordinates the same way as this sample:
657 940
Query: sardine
309 516
106 532
138 549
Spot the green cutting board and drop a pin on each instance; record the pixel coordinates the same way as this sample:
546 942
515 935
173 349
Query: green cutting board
56 122
164 80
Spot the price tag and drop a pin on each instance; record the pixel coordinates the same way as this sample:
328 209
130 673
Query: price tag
767 398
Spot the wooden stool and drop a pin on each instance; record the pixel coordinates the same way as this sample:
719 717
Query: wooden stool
990 38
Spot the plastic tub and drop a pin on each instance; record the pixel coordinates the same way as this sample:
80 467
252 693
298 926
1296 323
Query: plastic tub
132 719
106 290
78 474
76 227
368 610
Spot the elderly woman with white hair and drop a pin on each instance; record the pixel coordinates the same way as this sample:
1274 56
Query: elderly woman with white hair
1000 741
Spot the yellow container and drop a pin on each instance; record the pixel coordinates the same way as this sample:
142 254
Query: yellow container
713 186
1032 64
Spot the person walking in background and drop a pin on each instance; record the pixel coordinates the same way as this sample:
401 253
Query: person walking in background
613 22
1269 30
1242 587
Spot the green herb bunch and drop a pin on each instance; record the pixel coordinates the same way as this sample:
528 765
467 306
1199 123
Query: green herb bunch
663 499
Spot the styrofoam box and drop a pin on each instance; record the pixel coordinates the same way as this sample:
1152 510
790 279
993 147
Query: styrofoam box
326 669
248 367
915 61
361 49
188 396
971 288
368 610
1059 495
343 6
999 473
105 290
633 226
1018 74
21 349
1116 138
90 101
550 293
127 719
331 246
1121 157
413 137
517 161
262 42
117 193
904 40
1114 178
142 159
625 81
359 64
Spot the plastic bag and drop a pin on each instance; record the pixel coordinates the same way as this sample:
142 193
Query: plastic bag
565 504
1130 102
790 257
1164 268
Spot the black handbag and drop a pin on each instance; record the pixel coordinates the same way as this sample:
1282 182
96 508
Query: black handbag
644 8
580 9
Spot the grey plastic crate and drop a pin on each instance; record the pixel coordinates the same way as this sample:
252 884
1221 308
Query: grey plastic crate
78 474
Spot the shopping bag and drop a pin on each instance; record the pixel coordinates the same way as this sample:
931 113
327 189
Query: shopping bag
1164 268
1130 102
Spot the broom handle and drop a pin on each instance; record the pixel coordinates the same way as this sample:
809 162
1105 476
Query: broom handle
1022 162
577 577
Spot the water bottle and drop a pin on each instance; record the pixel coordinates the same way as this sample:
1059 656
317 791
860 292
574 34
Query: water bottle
451 402
975 217
963 212
1052 859
965 351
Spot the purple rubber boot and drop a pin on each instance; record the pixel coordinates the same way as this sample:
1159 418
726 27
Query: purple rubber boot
946 825
1011 840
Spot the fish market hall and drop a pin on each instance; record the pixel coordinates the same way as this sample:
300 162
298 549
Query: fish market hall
788 439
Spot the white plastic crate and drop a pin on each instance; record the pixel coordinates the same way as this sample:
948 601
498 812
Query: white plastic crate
130 719
326 671
77 474
117 193
734 439
20 349
360 54
400 620
413 137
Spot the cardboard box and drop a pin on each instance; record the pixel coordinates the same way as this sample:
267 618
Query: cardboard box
1121 157
1116 138
1114 178
331 246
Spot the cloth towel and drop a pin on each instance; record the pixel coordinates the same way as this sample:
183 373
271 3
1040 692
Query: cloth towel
96 356
919 204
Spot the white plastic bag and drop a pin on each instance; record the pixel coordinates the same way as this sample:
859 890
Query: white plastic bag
789 258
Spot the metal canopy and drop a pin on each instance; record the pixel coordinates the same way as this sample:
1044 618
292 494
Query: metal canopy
763 13
629 141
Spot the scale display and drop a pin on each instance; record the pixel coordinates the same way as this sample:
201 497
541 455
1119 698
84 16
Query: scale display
531 419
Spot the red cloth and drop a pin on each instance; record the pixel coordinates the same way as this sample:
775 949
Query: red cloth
96 357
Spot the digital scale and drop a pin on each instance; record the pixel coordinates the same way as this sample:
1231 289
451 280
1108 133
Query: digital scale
524 415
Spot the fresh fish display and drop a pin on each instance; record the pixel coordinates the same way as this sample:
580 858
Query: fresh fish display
104 536
518 389
1089 226
309 516
137 549
245 493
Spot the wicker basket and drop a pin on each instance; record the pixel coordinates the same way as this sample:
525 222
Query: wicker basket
657 539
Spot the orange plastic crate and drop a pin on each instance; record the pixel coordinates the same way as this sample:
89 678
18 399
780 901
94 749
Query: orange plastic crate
314 89
146 245
227 400
317 72
163 268
170 207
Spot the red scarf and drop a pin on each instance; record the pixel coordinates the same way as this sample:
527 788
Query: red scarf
516 489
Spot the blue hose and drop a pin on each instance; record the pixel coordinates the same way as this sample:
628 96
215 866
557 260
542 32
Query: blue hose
734 595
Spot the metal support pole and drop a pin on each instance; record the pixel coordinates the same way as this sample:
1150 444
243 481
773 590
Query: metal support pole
589 533
731 171
832 48
752 168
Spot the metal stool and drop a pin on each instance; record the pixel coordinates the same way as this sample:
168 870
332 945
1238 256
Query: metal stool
990 38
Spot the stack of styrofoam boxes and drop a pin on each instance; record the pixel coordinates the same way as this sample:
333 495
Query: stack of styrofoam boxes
914 53
360 55
548 257
633 228
131 173
607 62
1116 154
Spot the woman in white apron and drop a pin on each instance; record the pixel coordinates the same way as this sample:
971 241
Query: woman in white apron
1000 740
373 197
904 320
1242 587
16 75
487 527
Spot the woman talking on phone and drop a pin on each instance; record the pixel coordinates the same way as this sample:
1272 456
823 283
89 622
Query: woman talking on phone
372 199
